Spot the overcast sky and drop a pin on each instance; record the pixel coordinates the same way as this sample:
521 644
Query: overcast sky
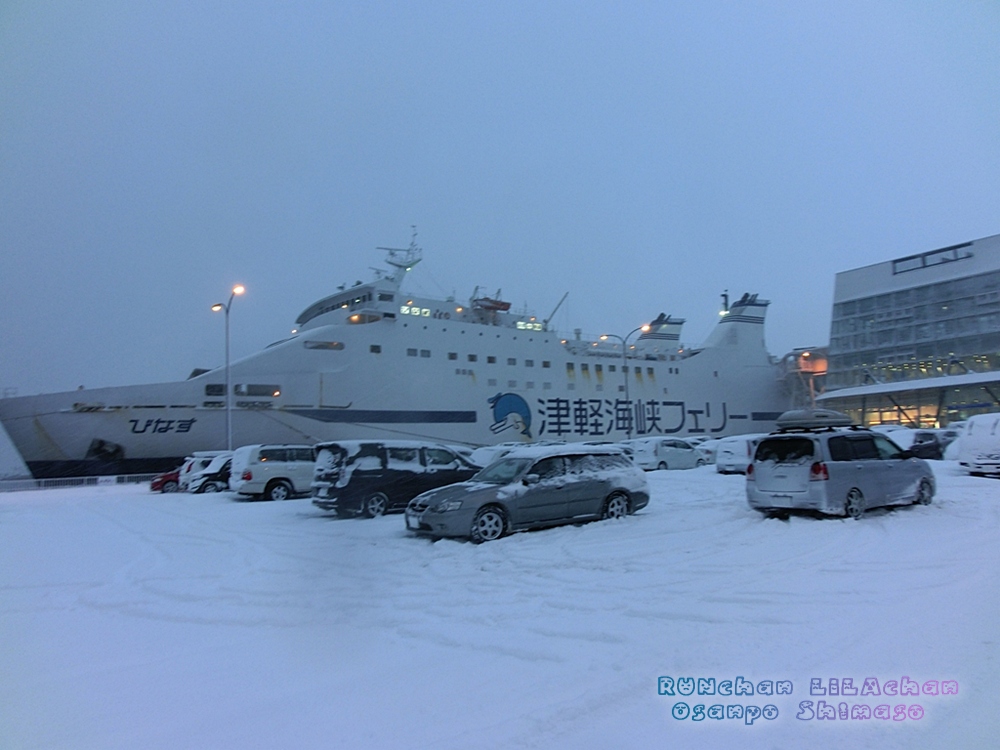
643 157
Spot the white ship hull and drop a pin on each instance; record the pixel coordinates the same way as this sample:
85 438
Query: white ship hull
443 372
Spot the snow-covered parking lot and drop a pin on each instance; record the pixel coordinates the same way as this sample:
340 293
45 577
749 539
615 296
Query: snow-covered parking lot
135 620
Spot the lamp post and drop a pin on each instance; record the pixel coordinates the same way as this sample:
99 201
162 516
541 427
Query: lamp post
238 289
624 339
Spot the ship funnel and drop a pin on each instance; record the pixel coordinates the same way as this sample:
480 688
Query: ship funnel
741 325
664 328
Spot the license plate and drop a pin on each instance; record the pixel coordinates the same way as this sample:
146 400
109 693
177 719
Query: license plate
412 522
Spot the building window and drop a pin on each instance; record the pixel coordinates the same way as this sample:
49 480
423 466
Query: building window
491 360
425 353
491 381
570 369
529 363
512 384
411 352
511 361
452 355
215 389
546 363
375 349
473 357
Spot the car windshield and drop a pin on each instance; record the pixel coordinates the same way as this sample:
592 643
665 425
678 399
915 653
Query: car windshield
503 471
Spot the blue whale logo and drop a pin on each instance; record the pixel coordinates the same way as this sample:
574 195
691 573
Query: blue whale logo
510 411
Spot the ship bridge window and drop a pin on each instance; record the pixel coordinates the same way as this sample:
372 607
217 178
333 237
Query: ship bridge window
333 345
215 389
383 297
424 312
257 389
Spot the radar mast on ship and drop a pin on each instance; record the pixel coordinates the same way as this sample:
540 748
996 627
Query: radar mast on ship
403 260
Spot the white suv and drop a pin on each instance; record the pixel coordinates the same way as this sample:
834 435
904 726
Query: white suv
275 472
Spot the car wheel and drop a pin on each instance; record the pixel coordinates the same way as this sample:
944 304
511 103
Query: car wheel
169 487
699 463
376 505
490 523
616 506
662 466
279 491
854 505
924 493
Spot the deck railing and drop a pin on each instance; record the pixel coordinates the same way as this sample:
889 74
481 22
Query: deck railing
19 485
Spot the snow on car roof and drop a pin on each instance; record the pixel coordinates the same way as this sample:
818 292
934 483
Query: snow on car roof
568 449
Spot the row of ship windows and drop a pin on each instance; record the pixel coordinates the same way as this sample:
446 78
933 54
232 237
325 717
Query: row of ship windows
512 361
490 359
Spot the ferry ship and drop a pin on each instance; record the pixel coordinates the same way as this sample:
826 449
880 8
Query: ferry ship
372 361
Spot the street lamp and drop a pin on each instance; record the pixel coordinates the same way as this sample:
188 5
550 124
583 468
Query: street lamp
624 340
218 306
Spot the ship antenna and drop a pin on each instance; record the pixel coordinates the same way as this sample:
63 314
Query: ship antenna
403 260
545 323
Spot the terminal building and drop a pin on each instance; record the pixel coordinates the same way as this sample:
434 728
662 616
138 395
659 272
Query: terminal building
916 340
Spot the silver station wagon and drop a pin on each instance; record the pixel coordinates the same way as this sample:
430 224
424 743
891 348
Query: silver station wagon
833 469
532 487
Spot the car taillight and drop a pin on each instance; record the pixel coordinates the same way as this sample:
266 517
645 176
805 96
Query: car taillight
750 471
818 472
247 476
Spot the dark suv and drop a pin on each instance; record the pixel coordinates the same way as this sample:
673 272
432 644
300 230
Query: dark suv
372 477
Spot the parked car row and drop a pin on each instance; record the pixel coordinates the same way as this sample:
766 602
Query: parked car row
816 460
441 491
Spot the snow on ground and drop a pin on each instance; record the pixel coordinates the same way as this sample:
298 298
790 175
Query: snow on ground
130 619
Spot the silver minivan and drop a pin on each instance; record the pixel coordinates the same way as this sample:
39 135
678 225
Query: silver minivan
839 471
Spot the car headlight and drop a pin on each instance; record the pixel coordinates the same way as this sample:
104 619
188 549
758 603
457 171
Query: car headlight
446 505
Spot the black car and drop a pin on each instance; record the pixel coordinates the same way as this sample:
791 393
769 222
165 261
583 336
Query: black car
372 477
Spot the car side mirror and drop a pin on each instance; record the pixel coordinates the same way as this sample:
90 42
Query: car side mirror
906 454
532 479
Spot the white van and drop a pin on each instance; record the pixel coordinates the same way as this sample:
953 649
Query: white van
734 453
274 472
979 445
196 462
214 477
665 453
